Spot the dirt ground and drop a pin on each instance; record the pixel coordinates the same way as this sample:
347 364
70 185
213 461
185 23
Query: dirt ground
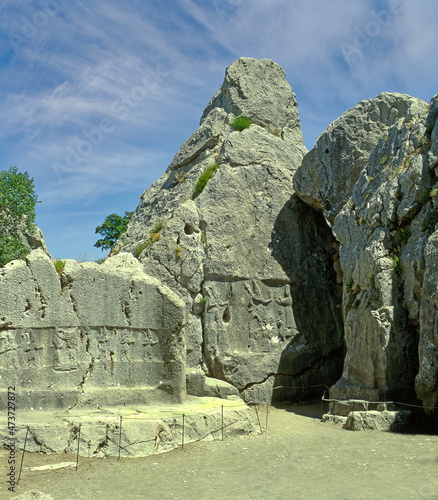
298 457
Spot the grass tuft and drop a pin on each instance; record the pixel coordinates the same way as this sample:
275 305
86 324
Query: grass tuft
203 179
59 266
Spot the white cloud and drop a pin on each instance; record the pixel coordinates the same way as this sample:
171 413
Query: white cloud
91 60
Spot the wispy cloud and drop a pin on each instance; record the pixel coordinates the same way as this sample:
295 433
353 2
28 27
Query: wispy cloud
150 69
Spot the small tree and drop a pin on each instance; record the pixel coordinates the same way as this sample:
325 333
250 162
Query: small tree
17 213
111 229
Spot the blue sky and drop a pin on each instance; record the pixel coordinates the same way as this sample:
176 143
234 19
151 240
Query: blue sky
96 97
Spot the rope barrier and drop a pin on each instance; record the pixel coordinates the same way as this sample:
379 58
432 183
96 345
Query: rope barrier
182 429
330 400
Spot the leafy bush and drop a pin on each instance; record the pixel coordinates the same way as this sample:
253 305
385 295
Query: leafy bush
203 179
113 227
241 123
17 213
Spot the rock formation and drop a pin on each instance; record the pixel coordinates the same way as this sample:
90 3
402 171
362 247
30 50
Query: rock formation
98 334
252 262
263 270
373 174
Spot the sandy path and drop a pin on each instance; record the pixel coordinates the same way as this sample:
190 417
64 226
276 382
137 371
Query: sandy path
297 458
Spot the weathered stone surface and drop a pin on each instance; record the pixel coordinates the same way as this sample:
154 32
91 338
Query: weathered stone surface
205 137
145 430
259 90
249 259
331 169
200 385
394 421
344 408
371 173
99 334
426 380
34 239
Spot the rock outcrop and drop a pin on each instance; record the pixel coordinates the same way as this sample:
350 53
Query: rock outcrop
373 174
34 239
98 334
263 270
252 262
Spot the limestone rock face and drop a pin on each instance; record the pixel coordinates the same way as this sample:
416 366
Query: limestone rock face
373 173
259 90
100 334
331 169
34 239
252 262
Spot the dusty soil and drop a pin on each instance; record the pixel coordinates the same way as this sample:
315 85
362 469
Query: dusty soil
298 457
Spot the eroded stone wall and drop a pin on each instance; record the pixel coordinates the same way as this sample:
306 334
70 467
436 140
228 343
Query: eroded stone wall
99 334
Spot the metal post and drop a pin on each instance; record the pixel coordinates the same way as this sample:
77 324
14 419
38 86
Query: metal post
79 440
22 456
222 408
267 413
257 413
120 436
182 444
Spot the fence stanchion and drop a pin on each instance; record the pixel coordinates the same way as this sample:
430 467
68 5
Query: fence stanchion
182 443
77 453
257 413
22 456
120 436
222 411
322 403
267 413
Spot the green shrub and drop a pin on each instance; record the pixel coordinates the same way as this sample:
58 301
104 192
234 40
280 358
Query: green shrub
384 159
396 265
59 266
424 197
433 193
139 248
203 179
241 123
158 227
372 278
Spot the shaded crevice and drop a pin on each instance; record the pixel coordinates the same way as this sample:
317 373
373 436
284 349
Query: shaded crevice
38 293
252 384
90 367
